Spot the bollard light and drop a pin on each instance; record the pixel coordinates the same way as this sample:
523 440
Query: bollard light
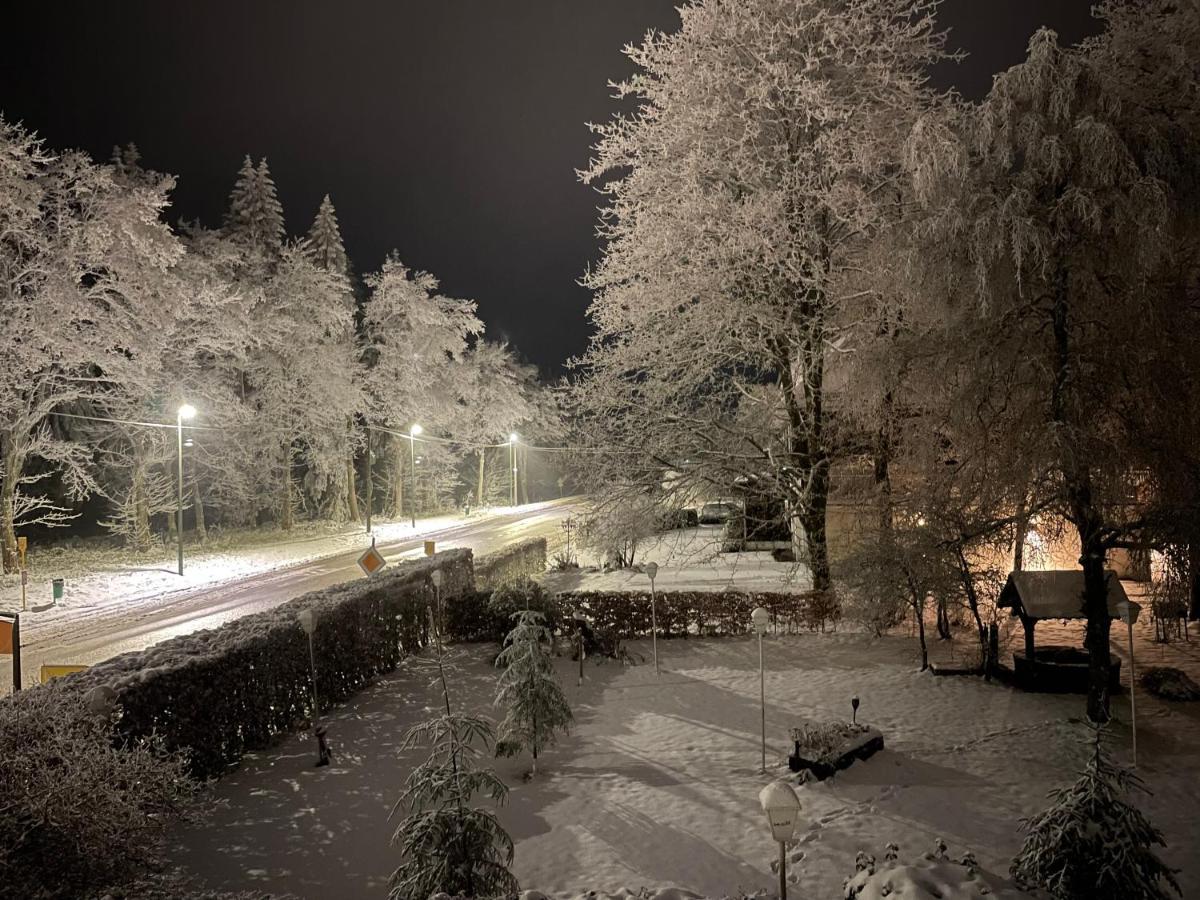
782 806
759 620
1129 610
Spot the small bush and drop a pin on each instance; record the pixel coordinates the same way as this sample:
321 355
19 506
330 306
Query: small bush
79 813
1170 684
519 595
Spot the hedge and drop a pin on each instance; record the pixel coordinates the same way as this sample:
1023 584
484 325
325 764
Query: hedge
522 559
623 614
219 693
680 613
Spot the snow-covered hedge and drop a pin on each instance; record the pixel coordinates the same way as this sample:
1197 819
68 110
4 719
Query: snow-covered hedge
626 614
522 559
221 692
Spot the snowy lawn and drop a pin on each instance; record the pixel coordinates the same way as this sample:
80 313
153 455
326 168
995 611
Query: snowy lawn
688 560
658 783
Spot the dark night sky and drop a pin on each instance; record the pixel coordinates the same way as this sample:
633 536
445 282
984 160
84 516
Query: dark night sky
449 130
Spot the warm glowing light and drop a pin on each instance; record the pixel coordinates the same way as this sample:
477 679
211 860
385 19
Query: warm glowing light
512 438
416 429
187 411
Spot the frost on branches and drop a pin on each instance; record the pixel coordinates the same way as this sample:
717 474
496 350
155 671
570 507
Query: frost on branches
1092 842
741 196
529 690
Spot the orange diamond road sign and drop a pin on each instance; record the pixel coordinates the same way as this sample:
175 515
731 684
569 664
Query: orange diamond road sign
371 561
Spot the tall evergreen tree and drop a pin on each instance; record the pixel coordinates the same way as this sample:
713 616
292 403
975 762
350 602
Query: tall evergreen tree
324 242
255 216
536 705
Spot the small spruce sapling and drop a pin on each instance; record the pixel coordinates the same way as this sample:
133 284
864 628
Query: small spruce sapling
447 845
536 706
1092 842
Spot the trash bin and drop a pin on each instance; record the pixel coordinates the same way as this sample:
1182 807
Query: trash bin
57 583
429 550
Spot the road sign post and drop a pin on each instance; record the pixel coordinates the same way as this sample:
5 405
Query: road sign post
372 560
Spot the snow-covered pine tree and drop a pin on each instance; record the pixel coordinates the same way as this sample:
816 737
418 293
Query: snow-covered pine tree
536 706
1092 842
448 845
255 216
324 242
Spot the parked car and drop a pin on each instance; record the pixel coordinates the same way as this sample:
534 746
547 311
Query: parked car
671 519
717 513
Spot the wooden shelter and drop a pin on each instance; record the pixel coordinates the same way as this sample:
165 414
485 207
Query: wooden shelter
1054 594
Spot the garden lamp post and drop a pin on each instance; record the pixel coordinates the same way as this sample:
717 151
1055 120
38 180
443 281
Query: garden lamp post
759 619
436 578
412 456
186 411
308 622
782 806
651 570
1129 611
512 466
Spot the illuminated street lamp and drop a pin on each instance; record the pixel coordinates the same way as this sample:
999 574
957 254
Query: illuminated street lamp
1129 611
512 462
186 411
759 620
779 801
412 451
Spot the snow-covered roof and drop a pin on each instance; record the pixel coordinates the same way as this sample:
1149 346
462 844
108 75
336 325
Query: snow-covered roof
1055 594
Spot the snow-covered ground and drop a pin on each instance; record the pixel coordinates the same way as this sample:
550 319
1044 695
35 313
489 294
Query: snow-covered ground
688 560
657 785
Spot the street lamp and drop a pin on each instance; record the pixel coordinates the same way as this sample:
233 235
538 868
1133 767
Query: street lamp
186 411
759 620
512 462
651 570
1129 611
779 801
412 451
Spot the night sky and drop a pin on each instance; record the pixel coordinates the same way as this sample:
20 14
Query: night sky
448 130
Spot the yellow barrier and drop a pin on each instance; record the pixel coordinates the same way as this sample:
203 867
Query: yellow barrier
49 672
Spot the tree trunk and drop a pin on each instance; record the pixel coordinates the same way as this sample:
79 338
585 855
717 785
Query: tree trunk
523 480
400 449
943 620
918 605
13 464
1095 604
198 508
351 489
140 537
812 517
1194 579
479 487
286 519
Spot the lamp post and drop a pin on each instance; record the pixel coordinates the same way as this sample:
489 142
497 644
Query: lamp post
186 411
436 578
308 622
412 455
1129 611
759 619
651 570
779 801
512 464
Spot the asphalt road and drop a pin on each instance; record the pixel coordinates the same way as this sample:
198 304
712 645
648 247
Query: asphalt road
215 605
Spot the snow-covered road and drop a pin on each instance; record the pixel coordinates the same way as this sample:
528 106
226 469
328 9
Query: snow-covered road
130 619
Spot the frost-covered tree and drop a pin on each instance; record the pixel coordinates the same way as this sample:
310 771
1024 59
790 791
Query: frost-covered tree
741 196
535 706
414 339
324 242
1062 201
83 261
1092 842
255 216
